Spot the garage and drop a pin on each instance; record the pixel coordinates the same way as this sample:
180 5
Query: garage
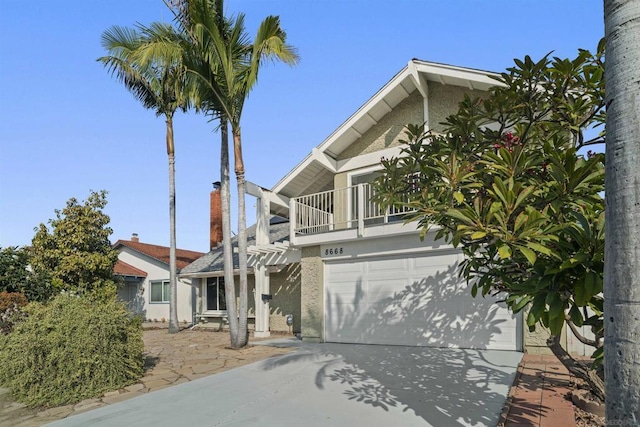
412 300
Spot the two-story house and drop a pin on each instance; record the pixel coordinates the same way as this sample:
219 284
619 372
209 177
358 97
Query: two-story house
365 276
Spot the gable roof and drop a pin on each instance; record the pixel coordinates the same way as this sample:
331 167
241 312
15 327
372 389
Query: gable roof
313 174
160 253
213 261
123 269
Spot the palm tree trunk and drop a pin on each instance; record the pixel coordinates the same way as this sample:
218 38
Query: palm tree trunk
622 188
242 239
173 285
225 191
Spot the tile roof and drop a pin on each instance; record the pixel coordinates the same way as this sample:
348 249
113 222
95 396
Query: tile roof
160 253
123 269
213 261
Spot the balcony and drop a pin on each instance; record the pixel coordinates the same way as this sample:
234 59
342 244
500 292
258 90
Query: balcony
340 214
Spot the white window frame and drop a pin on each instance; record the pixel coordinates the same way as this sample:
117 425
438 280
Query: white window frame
206 297
165 298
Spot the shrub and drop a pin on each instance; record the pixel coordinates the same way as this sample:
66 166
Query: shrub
11 299
11 312
71 349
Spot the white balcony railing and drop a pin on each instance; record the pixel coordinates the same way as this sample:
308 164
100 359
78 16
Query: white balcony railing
344 208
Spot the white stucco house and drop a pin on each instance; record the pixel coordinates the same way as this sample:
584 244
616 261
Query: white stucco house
144 269
363 275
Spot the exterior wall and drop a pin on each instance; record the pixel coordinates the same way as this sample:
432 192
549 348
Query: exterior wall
390 129
341 208
285 288
158 271
536 342
444 100
312 294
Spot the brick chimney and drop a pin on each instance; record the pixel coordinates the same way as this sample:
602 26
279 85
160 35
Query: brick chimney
134 237
215 225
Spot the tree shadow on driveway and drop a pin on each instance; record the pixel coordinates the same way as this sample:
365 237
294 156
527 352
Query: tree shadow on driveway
443 386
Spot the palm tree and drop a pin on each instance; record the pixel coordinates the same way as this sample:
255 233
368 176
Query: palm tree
148 61
226 65
622 187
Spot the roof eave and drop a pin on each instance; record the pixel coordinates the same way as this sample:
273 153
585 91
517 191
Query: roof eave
430 71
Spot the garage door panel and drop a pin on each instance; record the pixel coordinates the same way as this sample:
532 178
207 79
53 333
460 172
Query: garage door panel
388 266
417 300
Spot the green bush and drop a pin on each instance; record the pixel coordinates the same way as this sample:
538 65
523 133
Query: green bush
70 349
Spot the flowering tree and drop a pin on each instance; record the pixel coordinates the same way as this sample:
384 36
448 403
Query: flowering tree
506 183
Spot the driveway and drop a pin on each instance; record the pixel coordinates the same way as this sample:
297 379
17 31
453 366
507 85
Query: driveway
331 384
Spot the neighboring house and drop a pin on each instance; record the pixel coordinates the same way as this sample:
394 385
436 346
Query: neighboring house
365 276
144 269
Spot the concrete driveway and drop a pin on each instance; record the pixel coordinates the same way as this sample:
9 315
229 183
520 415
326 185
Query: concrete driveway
331 385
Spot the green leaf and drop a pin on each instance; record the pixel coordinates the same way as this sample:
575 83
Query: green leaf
531 255
538 306
458 196
531 319
523 195
556 306
579 293
591 287
521 304
520 219
576 315
457 214
478 235
556 324
504 251
539 248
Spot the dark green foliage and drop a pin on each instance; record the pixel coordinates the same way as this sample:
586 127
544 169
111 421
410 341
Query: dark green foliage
76 255
14 274
71 349
507 184
16 277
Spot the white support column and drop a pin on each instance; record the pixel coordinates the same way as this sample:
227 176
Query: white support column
292 220
261 274
360 196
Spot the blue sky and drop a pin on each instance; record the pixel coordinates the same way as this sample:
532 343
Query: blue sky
67 127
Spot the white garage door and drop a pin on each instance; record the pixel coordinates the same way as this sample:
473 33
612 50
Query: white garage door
415 300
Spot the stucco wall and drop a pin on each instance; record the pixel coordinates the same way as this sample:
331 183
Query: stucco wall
444 100
285 288
312 294
390 129
158 271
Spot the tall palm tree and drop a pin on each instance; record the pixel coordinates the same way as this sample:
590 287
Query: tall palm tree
622 187
148 61
226 64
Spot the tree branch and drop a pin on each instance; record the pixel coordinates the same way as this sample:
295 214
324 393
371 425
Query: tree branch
584 340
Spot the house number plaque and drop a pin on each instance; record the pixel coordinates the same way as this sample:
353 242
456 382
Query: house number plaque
337 250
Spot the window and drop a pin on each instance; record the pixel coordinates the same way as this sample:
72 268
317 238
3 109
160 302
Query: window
215 297
160 291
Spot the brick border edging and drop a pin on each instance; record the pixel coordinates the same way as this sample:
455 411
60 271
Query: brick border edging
512 390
